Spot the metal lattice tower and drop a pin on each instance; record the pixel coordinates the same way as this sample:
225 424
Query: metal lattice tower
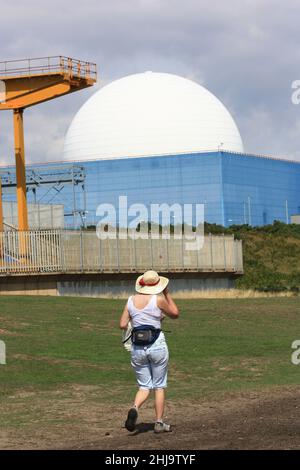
47 184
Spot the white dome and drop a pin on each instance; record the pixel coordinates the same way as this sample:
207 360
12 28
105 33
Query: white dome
150 114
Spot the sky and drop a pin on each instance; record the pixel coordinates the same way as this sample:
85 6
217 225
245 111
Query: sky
246 52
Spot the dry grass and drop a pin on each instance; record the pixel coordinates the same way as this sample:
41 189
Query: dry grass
228 294
208 294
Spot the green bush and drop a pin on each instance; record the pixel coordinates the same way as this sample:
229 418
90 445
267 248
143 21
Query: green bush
271 255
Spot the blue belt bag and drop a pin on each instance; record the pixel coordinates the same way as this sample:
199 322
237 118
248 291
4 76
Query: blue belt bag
144 335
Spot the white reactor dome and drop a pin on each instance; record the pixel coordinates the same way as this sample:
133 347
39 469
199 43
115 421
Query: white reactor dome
150 114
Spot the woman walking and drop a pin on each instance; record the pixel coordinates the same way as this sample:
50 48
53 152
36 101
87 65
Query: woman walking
149 352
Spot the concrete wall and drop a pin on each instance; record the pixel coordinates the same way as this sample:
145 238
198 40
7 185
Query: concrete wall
39 215
27 285
295 219
106 285
103 288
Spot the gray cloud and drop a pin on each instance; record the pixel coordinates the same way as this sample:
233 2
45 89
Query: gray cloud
246 52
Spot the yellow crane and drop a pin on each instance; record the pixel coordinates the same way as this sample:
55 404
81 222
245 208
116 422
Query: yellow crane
28 82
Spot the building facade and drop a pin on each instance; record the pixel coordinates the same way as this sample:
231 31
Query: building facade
235 188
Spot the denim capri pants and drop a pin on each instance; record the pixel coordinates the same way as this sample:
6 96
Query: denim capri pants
150 364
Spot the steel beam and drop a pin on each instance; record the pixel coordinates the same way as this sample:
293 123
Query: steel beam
1 208
20 169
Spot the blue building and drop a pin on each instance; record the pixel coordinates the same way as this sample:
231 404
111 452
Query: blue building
235 188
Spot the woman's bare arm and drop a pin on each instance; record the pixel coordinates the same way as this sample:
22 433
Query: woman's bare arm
168 305
124 320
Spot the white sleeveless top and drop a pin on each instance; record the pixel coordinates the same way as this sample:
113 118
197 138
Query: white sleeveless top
151 314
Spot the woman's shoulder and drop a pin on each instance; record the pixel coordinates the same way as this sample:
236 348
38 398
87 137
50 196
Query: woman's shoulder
129 300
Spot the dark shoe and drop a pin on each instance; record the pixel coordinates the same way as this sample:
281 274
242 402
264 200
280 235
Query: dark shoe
131 419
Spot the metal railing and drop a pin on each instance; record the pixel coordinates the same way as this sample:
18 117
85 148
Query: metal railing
62 251
48 65
33 251
8 226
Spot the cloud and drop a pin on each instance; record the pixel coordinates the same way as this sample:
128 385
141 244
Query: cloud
246 52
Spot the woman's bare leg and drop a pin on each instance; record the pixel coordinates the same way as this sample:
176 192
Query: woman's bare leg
141 397
159 403
132 416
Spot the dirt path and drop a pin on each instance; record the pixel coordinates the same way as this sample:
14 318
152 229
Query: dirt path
254 420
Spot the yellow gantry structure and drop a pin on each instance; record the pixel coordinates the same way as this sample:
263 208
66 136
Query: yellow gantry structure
28 82
1 209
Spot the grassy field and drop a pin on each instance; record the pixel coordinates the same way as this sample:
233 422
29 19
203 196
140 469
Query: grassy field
217 346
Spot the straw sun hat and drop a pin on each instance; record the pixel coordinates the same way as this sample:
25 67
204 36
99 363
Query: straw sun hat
151 283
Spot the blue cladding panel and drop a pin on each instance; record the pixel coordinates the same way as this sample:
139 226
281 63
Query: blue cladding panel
259 190
235 188
169 179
